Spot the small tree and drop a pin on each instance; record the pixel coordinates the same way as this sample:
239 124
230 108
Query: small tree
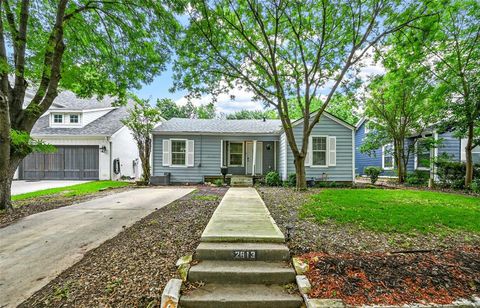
401 105
141 120
169 109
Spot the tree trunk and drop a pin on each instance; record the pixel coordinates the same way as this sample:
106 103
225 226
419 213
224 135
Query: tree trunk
399 160
5 178
469 158
145 158
300 173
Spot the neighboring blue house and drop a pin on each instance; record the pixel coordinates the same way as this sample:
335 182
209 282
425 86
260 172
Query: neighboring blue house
383 157
192 150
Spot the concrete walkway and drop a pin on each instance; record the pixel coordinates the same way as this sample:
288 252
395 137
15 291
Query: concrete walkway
36 249
242 217
21 187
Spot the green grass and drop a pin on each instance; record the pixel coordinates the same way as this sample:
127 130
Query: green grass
206 197
74 190
402 211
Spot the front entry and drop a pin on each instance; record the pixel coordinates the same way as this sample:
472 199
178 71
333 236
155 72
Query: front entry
258 159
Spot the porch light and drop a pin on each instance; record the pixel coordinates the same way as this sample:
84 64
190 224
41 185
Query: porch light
103 149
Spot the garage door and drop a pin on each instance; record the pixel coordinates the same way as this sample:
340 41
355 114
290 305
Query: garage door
68 163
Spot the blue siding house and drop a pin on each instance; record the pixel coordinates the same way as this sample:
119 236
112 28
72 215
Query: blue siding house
191 150
382 157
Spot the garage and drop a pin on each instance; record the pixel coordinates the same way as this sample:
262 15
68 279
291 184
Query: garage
67 163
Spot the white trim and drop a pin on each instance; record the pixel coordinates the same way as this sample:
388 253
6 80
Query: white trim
255 167
353 156
275 155
171 162
221 154
360 122
254 159
327 155
383 157
243 154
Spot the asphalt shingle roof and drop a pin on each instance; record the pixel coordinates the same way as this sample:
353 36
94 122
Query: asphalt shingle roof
106 125
178 125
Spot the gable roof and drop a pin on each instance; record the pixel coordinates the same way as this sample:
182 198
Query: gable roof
360 122
328 115
106 125
219 126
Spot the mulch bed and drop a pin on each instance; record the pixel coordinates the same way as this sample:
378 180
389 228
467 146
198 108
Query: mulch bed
27 207
284 205
439 277
132 269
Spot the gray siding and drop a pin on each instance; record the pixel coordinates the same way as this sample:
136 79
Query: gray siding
207 158
343 171
450 145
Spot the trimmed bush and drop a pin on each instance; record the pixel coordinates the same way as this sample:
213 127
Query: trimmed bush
273 179
475 186
218 182
418 177
373 173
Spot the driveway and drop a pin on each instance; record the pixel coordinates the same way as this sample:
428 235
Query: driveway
21 187
37 248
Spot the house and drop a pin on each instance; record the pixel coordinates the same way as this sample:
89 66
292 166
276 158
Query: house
91 141
191 150
421 157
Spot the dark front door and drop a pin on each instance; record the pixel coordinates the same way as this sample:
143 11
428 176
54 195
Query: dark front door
67 163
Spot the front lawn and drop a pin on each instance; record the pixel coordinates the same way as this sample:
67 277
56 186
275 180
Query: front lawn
73 190
401 211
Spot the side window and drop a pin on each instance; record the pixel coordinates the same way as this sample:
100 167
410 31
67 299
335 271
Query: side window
387 154
58 118
319 151
179 150
74 118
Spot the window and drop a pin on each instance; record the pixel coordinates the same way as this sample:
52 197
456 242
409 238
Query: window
319 151
476 155
74 118
387 155
423 155
235 157
58 118
179 149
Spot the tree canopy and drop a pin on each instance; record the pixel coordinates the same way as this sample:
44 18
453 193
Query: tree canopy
169 109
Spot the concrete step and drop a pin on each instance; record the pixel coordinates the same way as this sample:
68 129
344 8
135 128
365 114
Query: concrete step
258 272
242 252
240 296
241 181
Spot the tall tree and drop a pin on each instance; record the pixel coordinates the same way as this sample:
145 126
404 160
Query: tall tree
451 49
401 105
284 50
90 47
141 120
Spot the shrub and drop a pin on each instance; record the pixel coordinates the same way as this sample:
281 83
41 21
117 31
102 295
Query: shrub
475 186
218 182
418 177
450 173
292 180
373 173
273 179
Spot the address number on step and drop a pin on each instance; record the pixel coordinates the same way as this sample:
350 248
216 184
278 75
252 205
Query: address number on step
245 254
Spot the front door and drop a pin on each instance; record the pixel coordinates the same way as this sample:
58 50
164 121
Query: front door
258 158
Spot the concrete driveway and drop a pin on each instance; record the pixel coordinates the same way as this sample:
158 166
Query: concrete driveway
37 248
21 187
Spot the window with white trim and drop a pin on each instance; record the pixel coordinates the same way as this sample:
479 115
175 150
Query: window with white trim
179 151
388 161
319 151
58 118
423 154
74 118
235 154
476 154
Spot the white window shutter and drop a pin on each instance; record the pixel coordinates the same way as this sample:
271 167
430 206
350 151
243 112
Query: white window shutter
463 153
332 151
190 153
308 157
166 152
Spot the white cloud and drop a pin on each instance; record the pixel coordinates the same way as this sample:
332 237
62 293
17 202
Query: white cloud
225 104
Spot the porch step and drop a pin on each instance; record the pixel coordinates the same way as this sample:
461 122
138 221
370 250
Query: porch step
238 251
241 296
241 181
242 272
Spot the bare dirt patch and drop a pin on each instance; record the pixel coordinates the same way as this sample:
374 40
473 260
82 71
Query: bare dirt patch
27 207
132 269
